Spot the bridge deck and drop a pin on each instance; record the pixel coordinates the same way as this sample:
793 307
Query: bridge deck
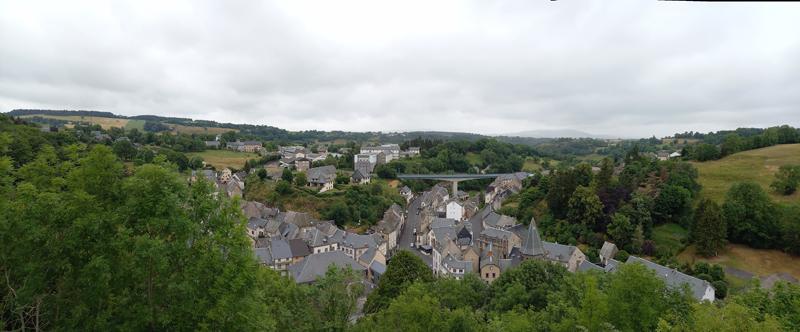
453 177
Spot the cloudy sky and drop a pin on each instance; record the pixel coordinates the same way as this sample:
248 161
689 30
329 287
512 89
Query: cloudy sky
624 67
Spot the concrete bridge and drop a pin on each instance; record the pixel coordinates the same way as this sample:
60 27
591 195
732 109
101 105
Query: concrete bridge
452 178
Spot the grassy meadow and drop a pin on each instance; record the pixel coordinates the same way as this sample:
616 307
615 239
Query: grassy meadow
224 158
758 165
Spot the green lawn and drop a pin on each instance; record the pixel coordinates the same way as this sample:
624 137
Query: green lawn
758 165
138 124
474 158
530 165
224 158
670 238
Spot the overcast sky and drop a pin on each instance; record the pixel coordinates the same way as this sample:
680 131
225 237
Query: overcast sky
627 68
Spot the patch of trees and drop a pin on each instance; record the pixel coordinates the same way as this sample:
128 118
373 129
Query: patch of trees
786 180
23 112
539 296
723 143
156 127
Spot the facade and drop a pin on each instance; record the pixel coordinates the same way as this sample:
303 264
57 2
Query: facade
246 146
455 210
390 227
366 162
360 177
302 164
390 151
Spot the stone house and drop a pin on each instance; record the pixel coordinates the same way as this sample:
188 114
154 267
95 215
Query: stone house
322 177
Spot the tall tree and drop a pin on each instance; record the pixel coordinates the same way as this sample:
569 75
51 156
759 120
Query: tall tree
585 207
404 269
787 179
635 298
709 232
751 216
621 230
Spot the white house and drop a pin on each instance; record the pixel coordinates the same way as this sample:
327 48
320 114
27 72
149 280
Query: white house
454 211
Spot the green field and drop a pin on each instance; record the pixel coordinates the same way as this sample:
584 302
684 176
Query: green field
135 124
531 165
669 238
224 158
760 262
758 165
474 158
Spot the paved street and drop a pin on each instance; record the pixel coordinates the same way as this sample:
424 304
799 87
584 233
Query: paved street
407 236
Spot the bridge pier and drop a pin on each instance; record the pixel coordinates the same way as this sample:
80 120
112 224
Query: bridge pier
455 188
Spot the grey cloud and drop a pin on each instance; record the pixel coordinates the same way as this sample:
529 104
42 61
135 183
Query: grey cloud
630 68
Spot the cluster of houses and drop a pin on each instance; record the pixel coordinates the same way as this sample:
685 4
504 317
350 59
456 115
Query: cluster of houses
298 246
238 145
301 158
371 156
225 181
488 243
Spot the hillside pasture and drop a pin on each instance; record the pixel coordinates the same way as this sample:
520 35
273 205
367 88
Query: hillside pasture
758 166
105 123
761 262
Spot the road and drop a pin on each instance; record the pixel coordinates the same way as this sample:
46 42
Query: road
407 235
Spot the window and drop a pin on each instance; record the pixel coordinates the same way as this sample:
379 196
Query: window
493 275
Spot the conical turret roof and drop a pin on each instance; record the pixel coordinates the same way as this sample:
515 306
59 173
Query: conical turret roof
532 245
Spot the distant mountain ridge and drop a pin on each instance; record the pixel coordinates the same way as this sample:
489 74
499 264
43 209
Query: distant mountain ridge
556 133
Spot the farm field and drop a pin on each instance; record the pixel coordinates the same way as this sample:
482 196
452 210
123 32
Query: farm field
760 262
758 165
181 129
224 158
105 123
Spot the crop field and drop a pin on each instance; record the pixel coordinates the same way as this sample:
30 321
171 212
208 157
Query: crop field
224 158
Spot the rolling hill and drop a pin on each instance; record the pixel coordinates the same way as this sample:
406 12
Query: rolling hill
758 165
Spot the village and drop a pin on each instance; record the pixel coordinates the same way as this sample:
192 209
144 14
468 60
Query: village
454 233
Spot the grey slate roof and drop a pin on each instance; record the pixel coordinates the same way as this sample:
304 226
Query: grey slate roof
300 219
354 240
589 266
674 278
612 265
377 268
358 174
255 222
391 219
315 265
263 255
609 250
279 248
322 175
452 262
497 233
558 252
494 219
443 222
299 248
532 244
